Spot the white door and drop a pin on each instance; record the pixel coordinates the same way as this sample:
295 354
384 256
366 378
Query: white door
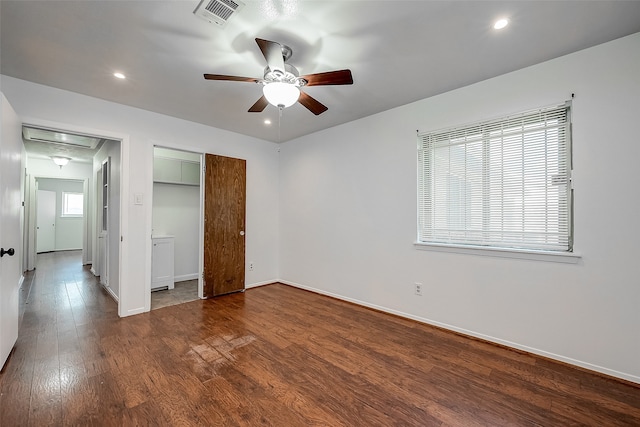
46 220
10 236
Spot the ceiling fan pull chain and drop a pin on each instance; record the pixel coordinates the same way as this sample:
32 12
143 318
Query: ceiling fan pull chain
279 120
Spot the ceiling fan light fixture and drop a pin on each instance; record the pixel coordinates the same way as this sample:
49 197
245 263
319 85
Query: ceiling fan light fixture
281 94
501 23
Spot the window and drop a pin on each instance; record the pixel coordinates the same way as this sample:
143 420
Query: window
501 184
72 204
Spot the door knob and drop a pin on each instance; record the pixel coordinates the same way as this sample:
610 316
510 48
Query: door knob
9 252
242 233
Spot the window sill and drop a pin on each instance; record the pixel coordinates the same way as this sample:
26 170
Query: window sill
70 216
562 257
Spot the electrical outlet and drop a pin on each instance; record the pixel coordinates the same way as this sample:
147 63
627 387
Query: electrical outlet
251 266
418 289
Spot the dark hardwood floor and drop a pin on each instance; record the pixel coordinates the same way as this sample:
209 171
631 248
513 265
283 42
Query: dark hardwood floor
274 356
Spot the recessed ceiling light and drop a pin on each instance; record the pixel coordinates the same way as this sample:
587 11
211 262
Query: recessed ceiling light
267 122
501 23
119 75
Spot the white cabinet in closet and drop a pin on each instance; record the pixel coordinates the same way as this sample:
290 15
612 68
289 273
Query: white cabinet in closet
162 262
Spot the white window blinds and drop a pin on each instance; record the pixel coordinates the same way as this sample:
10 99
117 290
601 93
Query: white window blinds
503 183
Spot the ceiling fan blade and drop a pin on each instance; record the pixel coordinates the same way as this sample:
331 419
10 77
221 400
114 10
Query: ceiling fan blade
272 52
260 105
340 77
232 78
312 104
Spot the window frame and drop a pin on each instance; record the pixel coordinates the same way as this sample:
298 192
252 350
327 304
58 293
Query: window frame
64 205
425 182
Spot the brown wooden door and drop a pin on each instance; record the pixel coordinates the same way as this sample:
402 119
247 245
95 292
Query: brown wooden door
224 221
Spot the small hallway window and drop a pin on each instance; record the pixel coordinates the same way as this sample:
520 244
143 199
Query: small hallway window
72 204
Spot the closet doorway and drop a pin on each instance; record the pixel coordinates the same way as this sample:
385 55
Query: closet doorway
176 227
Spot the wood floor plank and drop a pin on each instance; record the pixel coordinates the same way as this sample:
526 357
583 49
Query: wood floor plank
361 396
269 373
16 381
46 398
144 415
274 356
132 388
262 407
238 410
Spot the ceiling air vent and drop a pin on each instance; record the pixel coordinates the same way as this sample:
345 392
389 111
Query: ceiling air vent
218 11
52 136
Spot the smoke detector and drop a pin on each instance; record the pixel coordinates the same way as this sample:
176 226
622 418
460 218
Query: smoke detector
218 11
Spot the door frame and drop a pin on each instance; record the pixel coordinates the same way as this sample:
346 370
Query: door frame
103 217
124 258
31 218
187 149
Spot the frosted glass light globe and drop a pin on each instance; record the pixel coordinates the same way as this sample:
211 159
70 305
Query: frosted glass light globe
281 94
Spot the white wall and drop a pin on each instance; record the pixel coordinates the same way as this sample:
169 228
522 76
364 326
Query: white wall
45 168
68 230
176 212
140 130
348 217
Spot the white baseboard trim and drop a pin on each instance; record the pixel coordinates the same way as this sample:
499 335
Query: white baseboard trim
258 284
110 292
93 271
20 281
185 277
134 311
560 358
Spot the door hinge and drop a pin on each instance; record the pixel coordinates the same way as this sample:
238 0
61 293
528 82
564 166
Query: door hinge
121 238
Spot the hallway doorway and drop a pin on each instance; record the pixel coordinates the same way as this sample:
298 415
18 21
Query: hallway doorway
92 175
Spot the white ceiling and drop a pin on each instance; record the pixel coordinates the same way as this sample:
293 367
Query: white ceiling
398 51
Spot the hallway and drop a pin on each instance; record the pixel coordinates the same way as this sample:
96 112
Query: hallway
57 358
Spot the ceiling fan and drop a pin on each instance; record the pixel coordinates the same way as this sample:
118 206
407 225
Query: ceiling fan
282 82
